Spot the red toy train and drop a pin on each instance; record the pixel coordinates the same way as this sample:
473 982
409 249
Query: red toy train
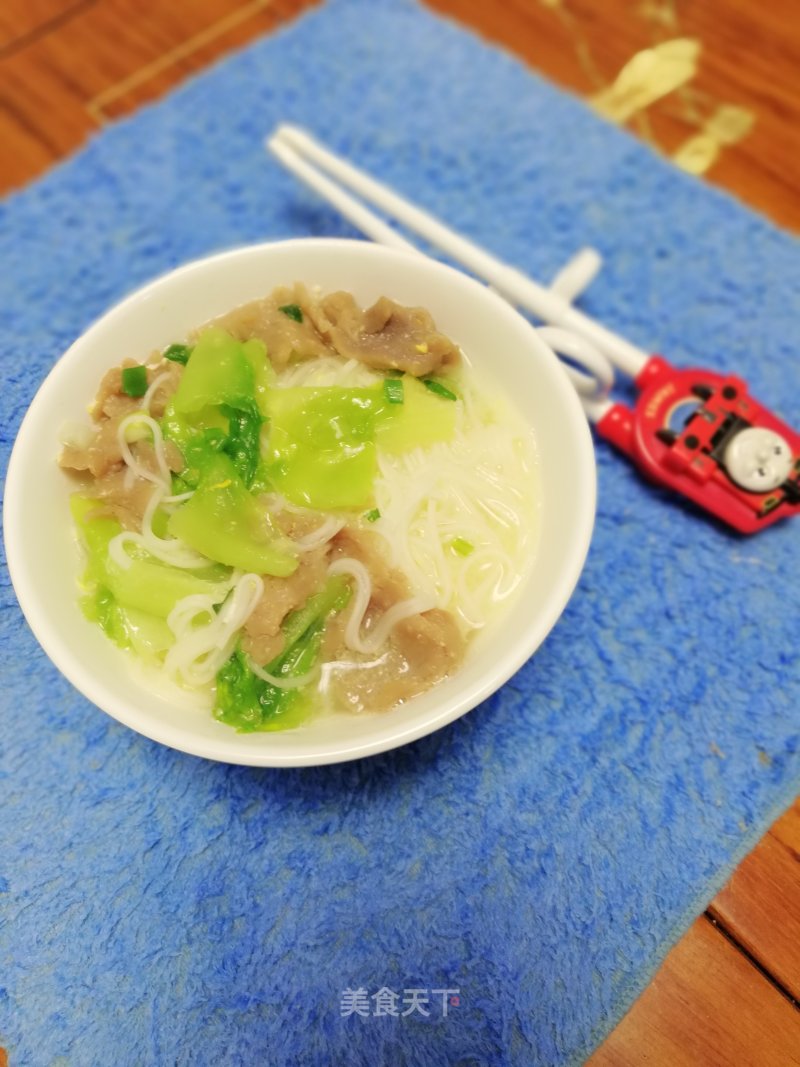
702 435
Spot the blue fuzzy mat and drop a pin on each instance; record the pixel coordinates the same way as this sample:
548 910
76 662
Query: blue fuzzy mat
543 853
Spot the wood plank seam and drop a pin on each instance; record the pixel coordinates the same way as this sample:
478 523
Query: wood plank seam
717 923
42 30
96 105
787 848
11 108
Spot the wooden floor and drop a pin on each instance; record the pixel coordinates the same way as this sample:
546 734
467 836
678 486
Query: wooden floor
728 993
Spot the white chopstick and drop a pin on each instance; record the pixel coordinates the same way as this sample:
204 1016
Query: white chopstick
305 157
284 150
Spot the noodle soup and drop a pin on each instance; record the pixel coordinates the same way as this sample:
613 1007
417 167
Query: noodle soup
501 351
305 506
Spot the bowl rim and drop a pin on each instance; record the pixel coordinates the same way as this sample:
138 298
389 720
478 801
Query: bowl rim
51 643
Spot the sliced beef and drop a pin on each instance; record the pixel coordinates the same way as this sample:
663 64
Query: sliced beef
284 337
102 454
170 374
124 498
110 401
431 643
296 525
110 407
387 336
262 638
388 584
421 650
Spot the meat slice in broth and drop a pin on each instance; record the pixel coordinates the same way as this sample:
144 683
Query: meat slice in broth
389 585
421 650
285 337
110 401
127 498
387 336
101 456
262 638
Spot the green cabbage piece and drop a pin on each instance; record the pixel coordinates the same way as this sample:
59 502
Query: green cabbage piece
219 372
147 635
423 419
225 522
321 451
219 406
263 371
322 441
251 704
131 604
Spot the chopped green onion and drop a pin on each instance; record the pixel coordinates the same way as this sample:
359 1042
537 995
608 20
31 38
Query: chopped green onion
439 389
393 390
294 311
462 546
372 516
134 380
178 353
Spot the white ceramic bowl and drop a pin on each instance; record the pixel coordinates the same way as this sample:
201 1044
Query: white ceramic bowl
38 534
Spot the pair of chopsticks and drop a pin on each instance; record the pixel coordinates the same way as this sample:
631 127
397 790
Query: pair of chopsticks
570 332
693 431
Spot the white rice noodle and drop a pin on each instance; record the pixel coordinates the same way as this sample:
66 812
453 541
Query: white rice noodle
163 478
276 504
186 612
475 488
327 370
360 600
117 550
148 396
336 666
283 683
484 578
167 550
404 609
370 642
204 638
323 533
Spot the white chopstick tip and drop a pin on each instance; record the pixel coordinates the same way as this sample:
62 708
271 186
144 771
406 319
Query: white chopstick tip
288 135
277 148
294 134
350 189
300 154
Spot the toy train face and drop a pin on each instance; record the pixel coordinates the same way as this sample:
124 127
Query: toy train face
703 435
757 459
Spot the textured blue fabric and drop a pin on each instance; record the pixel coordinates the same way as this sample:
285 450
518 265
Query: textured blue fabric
539 855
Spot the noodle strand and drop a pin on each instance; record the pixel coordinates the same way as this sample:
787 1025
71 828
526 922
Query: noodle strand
372 641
